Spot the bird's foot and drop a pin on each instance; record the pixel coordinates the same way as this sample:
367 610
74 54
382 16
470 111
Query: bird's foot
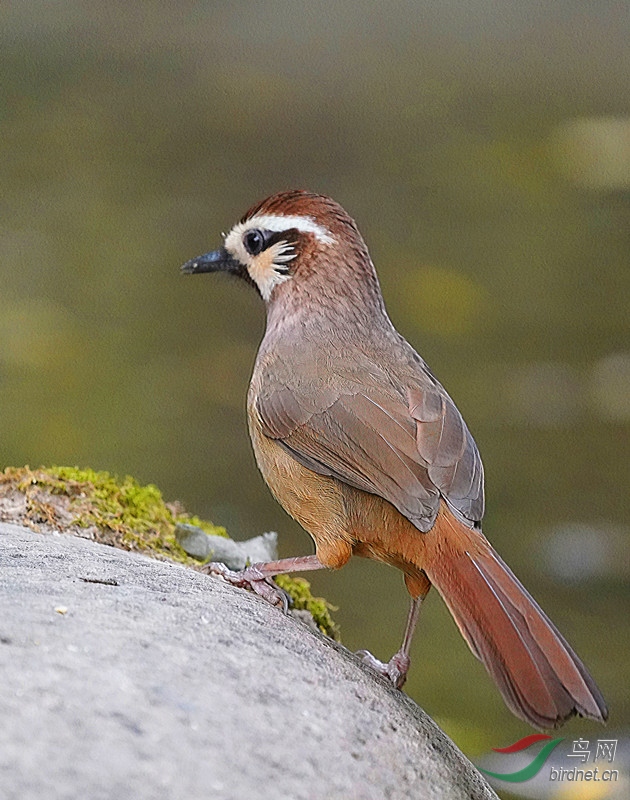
395 669
253 578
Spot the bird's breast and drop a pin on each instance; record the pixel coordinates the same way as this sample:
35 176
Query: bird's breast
315 501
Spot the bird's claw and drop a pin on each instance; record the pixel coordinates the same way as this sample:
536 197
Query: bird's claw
254 579
394 670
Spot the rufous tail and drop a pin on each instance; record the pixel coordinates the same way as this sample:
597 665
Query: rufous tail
540 677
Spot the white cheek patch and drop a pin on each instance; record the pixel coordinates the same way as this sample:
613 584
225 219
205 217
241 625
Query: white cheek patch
284 252
269 268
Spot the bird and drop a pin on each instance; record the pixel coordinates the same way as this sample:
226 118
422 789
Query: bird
360 443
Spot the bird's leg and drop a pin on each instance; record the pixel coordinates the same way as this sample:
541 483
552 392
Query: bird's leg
259 577
398 665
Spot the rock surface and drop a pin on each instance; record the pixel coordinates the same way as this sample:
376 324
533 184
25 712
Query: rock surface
124 676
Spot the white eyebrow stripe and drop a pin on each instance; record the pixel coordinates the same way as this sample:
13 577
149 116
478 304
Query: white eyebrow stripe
278 223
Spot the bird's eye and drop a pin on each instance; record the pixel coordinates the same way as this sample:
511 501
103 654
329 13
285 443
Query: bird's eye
254 241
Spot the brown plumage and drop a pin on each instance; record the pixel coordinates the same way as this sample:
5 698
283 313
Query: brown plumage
365 449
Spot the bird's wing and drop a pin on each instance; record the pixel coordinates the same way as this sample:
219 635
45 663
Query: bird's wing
410 453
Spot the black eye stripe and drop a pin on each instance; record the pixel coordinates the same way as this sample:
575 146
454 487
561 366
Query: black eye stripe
255 240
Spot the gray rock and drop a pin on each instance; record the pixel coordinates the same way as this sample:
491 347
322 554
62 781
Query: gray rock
124 677
235 555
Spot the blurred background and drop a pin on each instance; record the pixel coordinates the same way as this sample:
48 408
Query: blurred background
484 150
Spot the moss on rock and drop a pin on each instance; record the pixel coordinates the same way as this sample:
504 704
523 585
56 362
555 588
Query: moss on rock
121 513
300 591
99 506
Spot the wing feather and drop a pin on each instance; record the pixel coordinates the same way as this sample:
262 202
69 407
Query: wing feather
409 453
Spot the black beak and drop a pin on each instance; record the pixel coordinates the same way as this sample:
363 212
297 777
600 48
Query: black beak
216 261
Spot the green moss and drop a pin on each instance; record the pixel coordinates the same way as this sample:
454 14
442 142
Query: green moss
119 512
205 526
122 513
300 591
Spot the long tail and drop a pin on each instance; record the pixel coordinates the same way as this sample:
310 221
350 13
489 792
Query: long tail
540 677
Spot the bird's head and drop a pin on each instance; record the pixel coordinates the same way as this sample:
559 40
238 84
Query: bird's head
295 245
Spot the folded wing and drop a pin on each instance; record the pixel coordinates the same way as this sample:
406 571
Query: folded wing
411 448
